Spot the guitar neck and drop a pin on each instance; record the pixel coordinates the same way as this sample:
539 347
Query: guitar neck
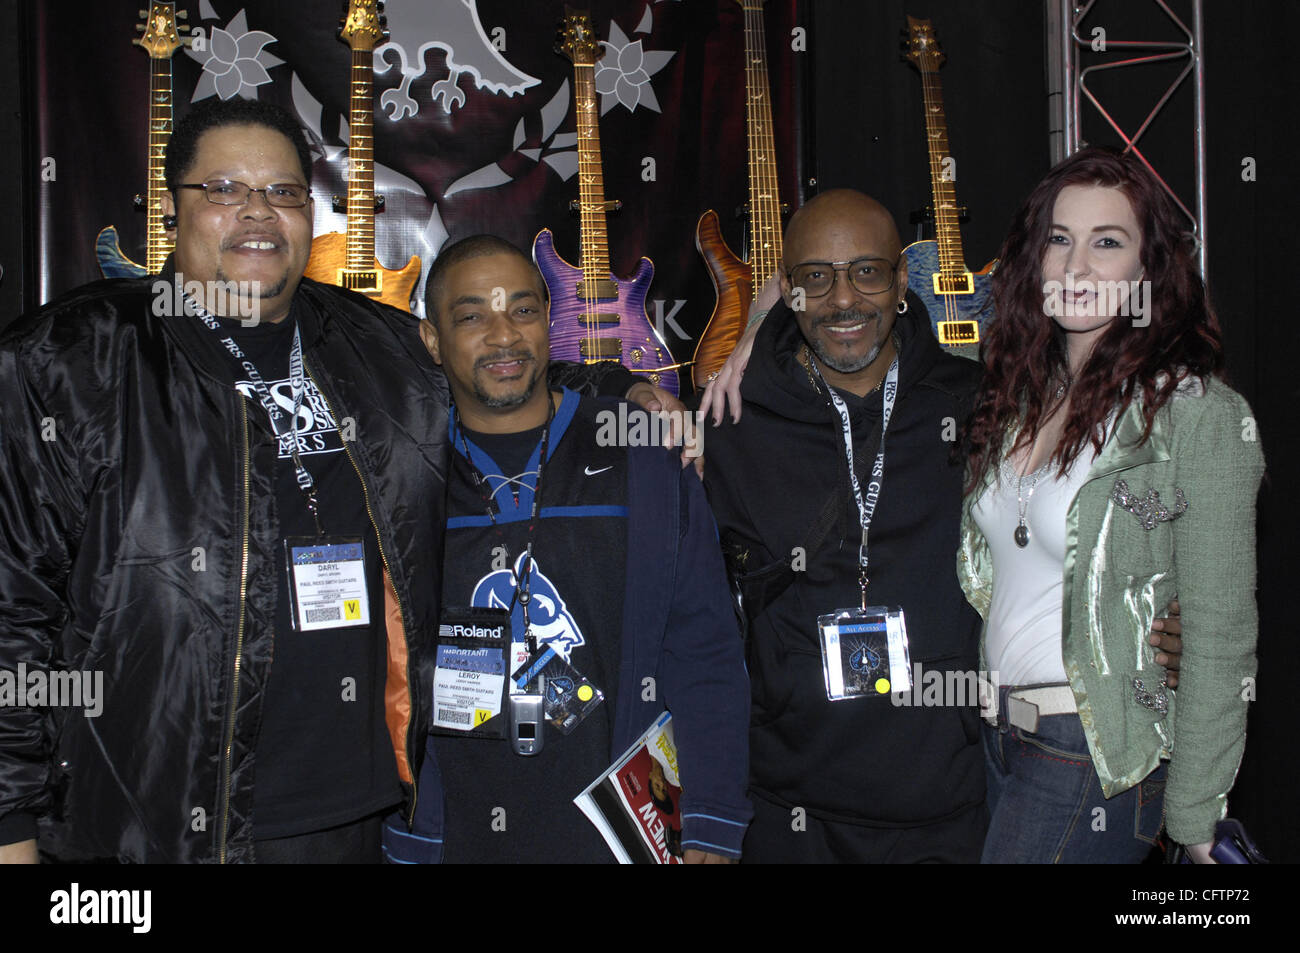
594 238
158 245
947 231
764 190
361 167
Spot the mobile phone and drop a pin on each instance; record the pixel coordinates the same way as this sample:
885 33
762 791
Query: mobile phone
527 719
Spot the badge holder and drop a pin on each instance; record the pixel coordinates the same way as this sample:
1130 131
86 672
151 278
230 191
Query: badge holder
327 582
864 652
469 682
569 695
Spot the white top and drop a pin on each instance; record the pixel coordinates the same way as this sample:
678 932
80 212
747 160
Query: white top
1023 637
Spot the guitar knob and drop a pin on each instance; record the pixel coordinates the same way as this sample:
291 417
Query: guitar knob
636 354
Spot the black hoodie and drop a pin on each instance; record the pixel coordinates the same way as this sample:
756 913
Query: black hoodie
768 478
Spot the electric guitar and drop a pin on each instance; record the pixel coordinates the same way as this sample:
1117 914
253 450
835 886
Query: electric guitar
960 303
736 281
594 315
348 260
162 37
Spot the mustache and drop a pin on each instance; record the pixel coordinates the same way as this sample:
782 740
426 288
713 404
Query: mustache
845 317
504 356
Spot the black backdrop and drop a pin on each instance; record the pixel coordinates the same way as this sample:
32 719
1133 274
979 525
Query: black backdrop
861 113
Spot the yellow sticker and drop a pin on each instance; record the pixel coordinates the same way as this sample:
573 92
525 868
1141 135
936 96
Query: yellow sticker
352 608
882 685
584 693
481 715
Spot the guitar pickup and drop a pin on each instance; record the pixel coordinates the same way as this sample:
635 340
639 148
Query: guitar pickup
598 320
600 349
366 282
956 333
599 289
963 284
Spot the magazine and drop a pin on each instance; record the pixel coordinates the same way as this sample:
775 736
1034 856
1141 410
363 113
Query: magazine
637 803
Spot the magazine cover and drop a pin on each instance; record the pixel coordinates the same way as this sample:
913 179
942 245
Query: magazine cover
636 804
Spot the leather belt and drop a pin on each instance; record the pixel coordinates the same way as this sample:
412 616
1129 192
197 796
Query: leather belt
1026 705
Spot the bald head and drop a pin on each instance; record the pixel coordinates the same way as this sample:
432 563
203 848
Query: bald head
841 217
849 240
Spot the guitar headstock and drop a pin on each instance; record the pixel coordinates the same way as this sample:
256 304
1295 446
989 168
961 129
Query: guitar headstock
162 34
576 39
364 27
920 47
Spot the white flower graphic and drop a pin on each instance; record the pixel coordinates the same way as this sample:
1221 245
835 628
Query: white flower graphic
623 73
235 63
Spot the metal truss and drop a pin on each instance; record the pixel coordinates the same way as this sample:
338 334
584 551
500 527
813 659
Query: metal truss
1068 89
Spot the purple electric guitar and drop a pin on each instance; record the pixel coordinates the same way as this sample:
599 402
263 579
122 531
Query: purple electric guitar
594 315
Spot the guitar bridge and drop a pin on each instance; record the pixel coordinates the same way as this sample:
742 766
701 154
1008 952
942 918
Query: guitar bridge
957 333
600 349
369 282
963 284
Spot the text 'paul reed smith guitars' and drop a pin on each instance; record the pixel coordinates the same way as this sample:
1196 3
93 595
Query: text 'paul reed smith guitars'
736 281
161 38
960 303
594 315
348 260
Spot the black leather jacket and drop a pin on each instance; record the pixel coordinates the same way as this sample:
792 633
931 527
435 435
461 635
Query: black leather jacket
137 533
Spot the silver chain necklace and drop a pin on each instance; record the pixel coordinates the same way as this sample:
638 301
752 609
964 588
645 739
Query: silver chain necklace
1021 534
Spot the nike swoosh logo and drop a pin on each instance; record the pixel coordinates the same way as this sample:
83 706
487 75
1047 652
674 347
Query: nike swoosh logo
590 472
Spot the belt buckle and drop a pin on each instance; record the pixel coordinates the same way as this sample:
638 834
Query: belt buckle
1022 714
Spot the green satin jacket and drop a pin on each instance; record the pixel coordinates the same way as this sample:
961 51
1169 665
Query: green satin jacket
1127 554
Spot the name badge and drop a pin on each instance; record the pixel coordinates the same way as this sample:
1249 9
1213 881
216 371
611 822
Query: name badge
327 582
864 652
469 682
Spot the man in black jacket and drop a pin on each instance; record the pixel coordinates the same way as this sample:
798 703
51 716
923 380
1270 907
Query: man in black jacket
229 532
860 779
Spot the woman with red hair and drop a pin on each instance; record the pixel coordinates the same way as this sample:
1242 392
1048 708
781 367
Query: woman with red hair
1110 470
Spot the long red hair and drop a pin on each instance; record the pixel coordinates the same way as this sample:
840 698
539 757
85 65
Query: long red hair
1024 349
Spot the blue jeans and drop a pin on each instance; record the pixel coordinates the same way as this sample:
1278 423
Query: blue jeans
1045 801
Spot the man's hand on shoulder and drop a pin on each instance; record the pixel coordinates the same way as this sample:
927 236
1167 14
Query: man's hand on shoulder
23 852
692 856
656 400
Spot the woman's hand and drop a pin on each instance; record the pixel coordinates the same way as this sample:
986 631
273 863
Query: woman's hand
724 387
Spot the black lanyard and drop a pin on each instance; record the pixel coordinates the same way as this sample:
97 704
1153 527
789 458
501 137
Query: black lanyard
523 581
297 380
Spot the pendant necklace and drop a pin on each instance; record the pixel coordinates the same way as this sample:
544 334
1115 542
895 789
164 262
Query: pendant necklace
1022 531
1021 534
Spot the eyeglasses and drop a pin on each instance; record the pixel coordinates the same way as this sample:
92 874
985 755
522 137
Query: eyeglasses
225 192
870 276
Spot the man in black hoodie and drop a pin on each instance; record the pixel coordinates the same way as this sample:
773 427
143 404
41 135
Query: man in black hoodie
863 779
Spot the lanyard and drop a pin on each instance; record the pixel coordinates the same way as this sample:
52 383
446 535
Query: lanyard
522 584
297 381
866 502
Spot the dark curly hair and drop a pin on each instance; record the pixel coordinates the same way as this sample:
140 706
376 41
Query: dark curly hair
218 113
1025 350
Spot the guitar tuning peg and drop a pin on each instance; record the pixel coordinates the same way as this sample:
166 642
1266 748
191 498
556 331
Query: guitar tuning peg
383 22
144 13
182 14
139 27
